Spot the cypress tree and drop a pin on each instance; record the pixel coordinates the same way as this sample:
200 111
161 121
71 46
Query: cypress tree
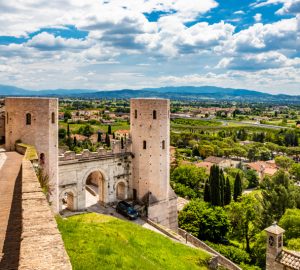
109 129
227 193
214 183
68 131
114 136
107 140
222 187
207 192
122 143
99 139
237 187
75 141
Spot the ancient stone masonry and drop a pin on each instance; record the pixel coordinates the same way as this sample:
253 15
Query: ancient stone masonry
34 121
150 134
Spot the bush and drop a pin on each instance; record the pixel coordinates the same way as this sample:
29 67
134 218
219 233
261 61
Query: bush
233 253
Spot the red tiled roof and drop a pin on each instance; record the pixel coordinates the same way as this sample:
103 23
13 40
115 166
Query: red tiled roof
289 259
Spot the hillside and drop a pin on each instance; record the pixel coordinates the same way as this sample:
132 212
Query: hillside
95 241
210 93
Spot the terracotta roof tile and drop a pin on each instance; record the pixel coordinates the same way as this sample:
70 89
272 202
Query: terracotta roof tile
289 259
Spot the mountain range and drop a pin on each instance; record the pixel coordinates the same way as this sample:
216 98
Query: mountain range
212 93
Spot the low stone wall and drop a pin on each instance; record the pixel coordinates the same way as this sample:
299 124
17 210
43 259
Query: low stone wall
198 243
41 244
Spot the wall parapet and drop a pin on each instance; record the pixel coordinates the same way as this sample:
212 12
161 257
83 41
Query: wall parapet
198 243
102 152
41 246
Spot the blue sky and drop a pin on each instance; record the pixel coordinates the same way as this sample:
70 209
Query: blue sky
114 44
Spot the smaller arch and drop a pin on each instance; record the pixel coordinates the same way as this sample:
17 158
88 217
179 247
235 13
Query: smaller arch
121 189
68 199
53 118
42 159
28 119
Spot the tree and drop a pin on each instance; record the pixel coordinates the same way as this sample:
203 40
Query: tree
207 192
227 193
295 171
122 143
62 133
214 183
204 222
109 129
107 140
75 141
238 189
245 217
99 138
284 162
67 116
252 178
68 131
290 221
86 130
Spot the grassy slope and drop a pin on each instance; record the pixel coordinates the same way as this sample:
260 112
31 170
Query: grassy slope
95 241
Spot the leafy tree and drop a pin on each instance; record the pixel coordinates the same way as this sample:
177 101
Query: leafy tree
290 221
295 171
284 162
62 133
86 130
252 178
204 222
277 196
227 193
67 115
238 189
190 176
245 218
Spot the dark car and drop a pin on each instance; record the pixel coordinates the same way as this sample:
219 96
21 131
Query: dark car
127 210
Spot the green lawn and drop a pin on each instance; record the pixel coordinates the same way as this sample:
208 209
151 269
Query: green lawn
95 241
115 126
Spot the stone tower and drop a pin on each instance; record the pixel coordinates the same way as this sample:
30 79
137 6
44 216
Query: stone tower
274 246
150 133
34 121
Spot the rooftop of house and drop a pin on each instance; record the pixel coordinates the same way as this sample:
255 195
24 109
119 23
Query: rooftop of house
215 160
290 259
275 229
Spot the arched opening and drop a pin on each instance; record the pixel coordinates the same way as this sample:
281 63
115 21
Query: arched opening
154 114
28 119
42 159
95 188
68 201
121 191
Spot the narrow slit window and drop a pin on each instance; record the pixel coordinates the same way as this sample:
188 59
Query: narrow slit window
163 144
144 145
53 118
154 114
28 119
135 114
6 118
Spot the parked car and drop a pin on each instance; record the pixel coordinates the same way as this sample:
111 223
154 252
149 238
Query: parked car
127 210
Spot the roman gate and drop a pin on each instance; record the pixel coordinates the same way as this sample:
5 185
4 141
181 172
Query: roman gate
104 176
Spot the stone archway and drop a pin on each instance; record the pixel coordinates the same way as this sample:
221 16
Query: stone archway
95 185
68 200
121 191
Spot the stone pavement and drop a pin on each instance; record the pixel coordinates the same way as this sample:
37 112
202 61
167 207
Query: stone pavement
10 210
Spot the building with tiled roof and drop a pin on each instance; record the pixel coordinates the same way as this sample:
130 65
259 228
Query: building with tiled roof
278 258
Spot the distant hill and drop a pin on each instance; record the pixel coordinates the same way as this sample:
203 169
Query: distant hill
212 93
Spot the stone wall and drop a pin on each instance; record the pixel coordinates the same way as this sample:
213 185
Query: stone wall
198 243
2 126
42 246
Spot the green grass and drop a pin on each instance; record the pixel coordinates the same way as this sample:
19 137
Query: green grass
104 128
95 241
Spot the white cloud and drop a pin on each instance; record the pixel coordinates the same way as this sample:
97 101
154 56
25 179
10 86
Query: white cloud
257 17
